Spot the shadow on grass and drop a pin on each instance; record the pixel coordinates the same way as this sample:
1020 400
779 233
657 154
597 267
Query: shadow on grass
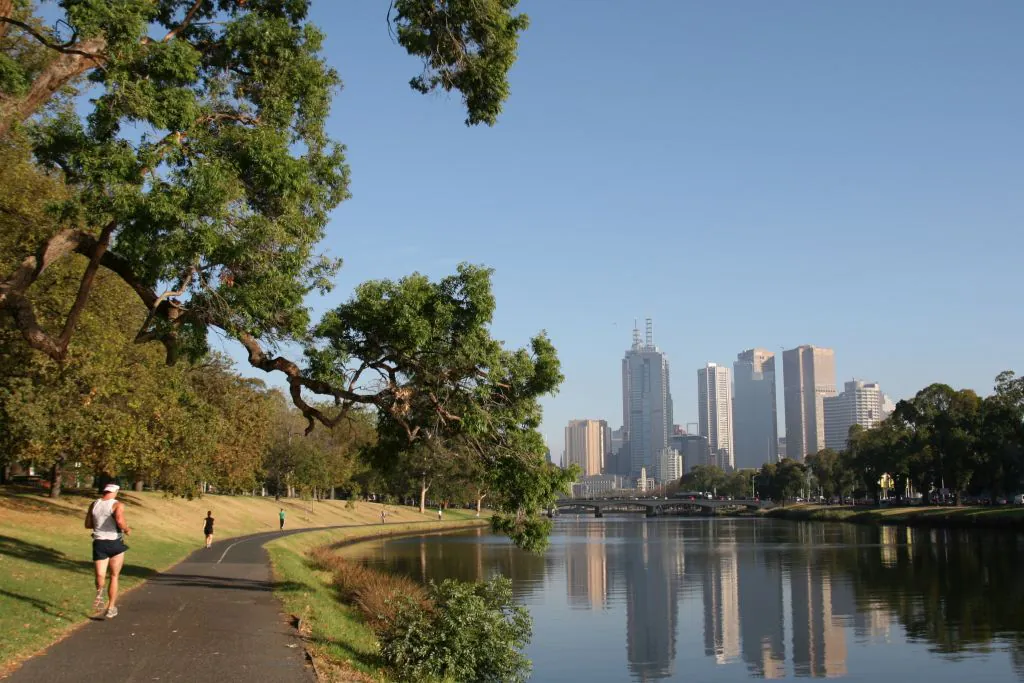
28 499
50 557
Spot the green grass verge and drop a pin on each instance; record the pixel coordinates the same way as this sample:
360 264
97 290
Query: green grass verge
342 645
1002 517
46 571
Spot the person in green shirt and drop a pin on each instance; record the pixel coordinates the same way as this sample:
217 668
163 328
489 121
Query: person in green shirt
281 515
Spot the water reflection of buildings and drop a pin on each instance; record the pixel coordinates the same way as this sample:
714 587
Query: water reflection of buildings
745 588
819 641
652 603
720 589
586 568
762 623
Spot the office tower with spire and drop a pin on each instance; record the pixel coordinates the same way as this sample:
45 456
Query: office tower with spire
755 429
809 375
646 402
714 412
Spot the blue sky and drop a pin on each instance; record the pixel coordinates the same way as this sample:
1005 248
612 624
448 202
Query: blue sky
745 173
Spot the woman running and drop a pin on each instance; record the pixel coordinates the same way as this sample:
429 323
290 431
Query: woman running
208 528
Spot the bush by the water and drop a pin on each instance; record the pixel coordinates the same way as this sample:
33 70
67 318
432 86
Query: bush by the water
375 593
465 632
457 631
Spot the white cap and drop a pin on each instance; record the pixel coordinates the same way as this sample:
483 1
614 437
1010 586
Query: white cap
111 488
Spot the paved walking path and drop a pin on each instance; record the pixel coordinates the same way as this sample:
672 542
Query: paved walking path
210 619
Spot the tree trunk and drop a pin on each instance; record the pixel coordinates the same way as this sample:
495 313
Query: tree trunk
423 494
479 503
138 485
58 73
56 475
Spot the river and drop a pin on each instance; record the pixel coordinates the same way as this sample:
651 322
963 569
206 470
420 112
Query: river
691 599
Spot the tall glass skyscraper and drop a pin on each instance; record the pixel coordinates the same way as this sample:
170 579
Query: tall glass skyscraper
646 402
755 431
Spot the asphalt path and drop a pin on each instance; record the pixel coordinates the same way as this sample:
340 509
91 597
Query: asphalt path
210 619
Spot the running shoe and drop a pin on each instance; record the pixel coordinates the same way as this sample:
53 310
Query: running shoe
100 602
111 613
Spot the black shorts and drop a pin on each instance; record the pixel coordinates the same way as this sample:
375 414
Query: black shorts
103 550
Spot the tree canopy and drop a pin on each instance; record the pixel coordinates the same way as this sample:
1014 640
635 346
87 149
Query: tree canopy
183 156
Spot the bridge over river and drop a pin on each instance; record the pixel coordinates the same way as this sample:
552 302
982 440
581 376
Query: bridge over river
654 507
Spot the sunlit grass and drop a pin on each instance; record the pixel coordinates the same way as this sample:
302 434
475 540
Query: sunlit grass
998 517
46 586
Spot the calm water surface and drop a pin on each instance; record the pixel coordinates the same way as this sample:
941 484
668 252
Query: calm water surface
620 599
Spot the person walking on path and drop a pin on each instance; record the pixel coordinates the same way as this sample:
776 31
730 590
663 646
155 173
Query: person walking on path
439 514
106 519
383 515
281 516
208 528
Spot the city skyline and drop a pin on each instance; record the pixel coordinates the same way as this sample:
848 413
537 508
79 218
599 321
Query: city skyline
810 385
904 147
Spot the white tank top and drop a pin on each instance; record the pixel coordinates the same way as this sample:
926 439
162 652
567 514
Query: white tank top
104 527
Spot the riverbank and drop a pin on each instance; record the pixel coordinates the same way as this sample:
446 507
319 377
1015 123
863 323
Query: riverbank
340 643
46 584
1004 517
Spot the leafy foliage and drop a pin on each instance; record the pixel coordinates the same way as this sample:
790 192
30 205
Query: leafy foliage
467 632
466 45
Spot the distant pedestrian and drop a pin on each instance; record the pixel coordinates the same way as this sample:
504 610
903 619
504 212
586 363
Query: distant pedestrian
383 516
439 514
208 528
109 527
281 516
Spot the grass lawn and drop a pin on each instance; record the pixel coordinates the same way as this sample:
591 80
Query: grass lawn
343 647
980 517
46 584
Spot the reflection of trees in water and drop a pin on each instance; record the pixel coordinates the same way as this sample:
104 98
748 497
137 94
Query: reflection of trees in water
469 556
956 590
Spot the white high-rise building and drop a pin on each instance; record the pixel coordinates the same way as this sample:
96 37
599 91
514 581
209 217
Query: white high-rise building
861 403
670 466
585 445
646 402
809 375
755 429
714 411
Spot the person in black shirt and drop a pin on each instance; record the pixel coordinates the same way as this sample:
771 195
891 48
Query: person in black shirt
208 528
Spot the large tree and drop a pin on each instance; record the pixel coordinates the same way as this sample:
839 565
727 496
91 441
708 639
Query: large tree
200 171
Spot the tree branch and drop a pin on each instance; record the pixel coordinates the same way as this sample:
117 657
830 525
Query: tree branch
185 22
84 288
67 48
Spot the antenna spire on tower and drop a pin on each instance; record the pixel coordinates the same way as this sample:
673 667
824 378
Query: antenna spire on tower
636 335
650 333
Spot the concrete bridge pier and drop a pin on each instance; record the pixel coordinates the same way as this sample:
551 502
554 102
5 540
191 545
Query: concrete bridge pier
652 512
598 513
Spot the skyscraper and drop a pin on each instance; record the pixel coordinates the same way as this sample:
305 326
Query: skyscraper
861 403
646 402
755 429
585 446
809 375
714 412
